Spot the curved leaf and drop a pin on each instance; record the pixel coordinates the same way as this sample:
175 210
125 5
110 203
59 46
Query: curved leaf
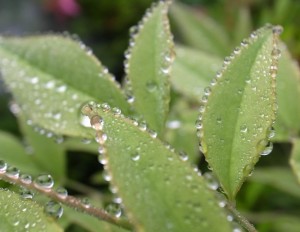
160 192
288 95
52 76
193 71
148 66
235 123
18 215
200 31
295 158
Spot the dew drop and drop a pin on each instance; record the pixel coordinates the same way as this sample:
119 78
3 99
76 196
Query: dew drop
135 156
151 86
107 176
244 129
61 192
276 53
86 202
114 209
183 156
54 209
101 157
97 122
198 124
211 181
105 107
152 133
26 179
268 149
26 194
271 133
13 172
44 181
61 89
207 91
277 30
3 166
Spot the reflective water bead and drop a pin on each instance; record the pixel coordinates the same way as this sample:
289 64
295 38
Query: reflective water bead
114 209
102 159
198 124
61 192
276 53
86 202
243 129
116 111
207 91
211 181
107 176
152 133
97 122
3 166
54 209
26 194
44 181
183 156
268 149
61 89
13 172
105 107
135 156
25 178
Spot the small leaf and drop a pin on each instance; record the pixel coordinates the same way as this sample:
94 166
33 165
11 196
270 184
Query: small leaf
13 152
200 31
235 123
159 191
148 66
17 214
51 77
288 95
295 158
192 71
51 160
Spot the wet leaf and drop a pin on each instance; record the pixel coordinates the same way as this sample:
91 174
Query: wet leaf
159 191
200 31
148 64
192 72
295 158
235 123
288 95
51 77
18 215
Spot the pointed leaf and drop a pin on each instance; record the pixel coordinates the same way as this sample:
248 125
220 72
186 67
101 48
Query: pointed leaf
148 66
52 76
17 214
288 95
160 192
193 71
200 31
235 123
295 158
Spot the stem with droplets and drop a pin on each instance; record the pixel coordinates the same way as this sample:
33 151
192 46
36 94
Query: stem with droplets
69 201
241 219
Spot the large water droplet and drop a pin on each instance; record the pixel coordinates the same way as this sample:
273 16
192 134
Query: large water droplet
97 122
44 181
54 209
13 172
268 149
3 166
26 194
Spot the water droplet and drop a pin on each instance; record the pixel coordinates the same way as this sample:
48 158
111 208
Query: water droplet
105 107
211 181
61 192
183 156
268 149
44 181
276 53
221 200
135 156
101 138
229 218
236 227
174 124
219 120
106 176
97 122
61 89
151 86
207 91
244 129
199 124
54 209
152 133
3 166
116 111
143 126
86 202
50 85
26 179
26 194
114 209
271 133
277 30
13 172
101 157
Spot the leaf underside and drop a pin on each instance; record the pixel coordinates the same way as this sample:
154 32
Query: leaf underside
240 110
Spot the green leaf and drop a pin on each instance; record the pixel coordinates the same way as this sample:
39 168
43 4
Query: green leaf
160 192
17 214
148 66
277 177
243 25
193 71
288 95
235 123
295 158
200 31
13 152
51 160
52 76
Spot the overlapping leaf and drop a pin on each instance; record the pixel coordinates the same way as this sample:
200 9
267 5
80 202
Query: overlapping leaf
235 123
295 158
159 191
148 66
18 215
52 76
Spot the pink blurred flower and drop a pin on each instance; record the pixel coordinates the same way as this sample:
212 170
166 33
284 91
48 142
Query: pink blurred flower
63 8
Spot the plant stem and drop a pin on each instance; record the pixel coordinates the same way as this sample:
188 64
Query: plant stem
70 201
241 219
